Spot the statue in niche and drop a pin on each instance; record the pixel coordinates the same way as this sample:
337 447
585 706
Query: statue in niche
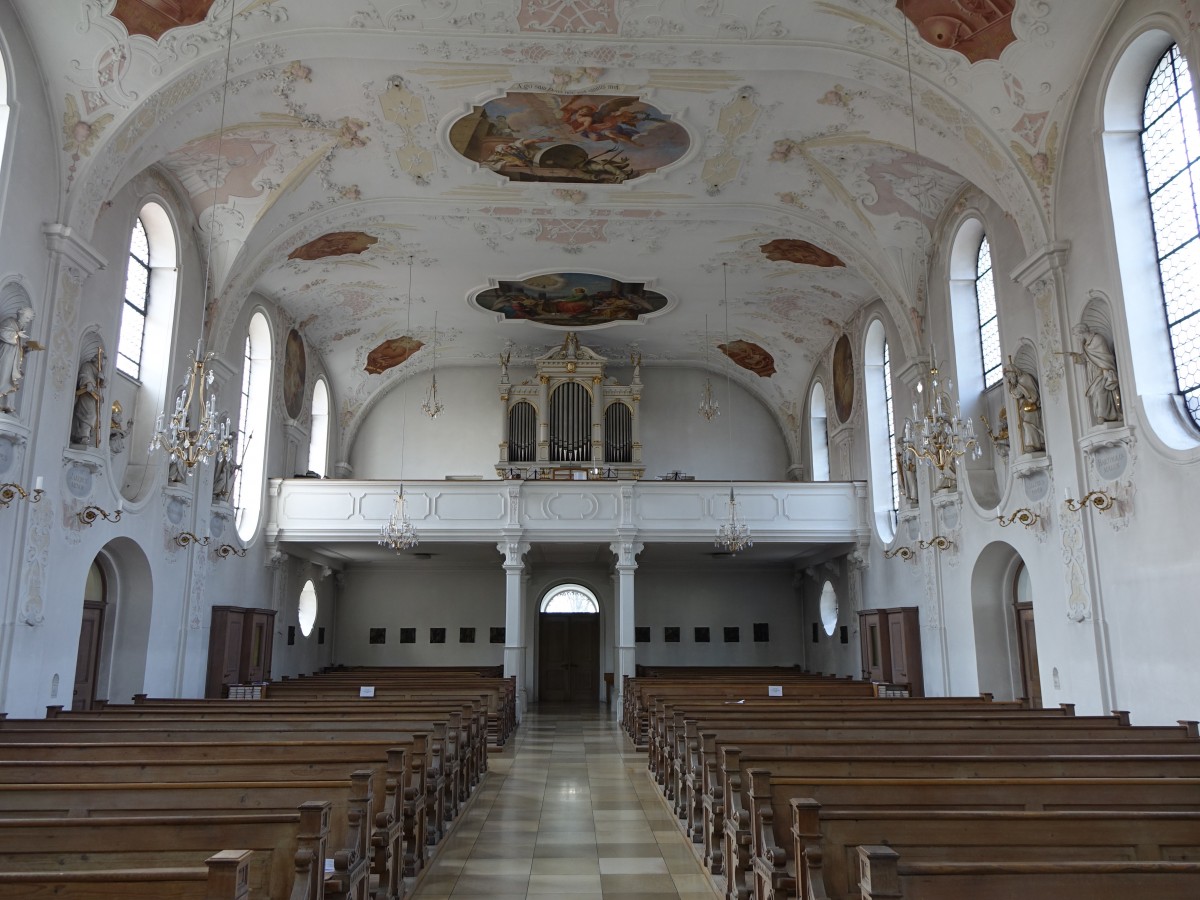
223 476
176 471
1000 437
906 466
118 431
948 478
1103 388
85 421
1024 390
14 344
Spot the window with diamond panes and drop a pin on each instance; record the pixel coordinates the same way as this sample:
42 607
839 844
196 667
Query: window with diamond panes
1171 152
891 426
989 325
137 301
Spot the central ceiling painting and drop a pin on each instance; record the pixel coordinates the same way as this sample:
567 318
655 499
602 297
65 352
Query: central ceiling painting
572 138
571 300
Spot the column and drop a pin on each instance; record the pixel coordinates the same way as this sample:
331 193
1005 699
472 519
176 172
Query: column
514 618
597 420
542 455
626 552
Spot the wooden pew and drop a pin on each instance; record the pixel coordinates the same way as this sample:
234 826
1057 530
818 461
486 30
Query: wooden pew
223 877
885 877
826 841
283 844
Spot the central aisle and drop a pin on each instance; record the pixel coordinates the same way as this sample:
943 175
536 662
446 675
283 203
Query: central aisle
567 809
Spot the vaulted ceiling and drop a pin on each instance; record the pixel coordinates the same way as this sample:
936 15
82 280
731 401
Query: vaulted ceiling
505 153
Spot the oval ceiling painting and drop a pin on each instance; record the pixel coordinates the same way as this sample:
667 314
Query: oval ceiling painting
574 138
571 300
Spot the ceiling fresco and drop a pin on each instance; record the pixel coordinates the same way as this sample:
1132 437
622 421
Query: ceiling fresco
572 138
574 300
368 147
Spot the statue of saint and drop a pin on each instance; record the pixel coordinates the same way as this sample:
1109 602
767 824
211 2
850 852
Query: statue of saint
1103 388
1024 390
86 422
14 344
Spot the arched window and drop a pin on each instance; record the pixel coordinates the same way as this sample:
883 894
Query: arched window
569 598
318 440
989 324
4 108
818 429
1171 155
881 430
252 425
829 608
137 302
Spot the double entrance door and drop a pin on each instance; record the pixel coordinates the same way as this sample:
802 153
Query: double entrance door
569 657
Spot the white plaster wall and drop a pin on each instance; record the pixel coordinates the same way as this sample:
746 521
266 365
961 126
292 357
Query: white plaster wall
465 439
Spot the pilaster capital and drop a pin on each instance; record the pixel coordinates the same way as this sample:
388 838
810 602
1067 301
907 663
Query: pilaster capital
514 553
78 258
626 552
1038 271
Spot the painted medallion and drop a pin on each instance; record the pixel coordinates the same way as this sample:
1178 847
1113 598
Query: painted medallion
750 356
843 379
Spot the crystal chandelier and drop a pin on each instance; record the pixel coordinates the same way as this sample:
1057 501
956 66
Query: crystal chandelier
937 434
398 533
194 403
733 535
709 408
432 406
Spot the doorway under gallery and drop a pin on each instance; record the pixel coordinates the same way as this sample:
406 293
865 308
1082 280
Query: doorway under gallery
1005 638
569 645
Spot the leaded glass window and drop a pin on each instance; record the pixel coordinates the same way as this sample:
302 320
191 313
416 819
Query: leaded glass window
137 302
989 325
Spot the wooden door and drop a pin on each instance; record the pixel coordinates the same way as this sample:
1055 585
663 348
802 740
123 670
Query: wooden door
87 660
1031 679
568 657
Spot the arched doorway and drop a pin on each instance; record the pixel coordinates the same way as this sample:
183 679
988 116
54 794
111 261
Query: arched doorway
569 645
1022 600
87 662
1005 640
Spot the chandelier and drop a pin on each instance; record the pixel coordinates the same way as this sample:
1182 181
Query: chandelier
733 535
937 434
398 533
194 403
709 408
432 406
193 434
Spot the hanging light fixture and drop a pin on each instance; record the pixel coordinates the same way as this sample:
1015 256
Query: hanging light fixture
193 433
432 406
709 408
733 536
398 532
937 434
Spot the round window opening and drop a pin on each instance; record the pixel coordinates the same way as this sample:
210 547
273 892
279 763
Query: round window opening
307 612
829 607
570 598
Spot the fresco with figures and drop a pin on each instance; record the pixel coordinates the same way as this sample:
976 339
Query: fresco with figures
576 138
571 300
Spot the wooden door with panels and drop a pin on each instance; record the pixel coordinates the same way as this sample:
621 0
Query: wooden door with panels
569 657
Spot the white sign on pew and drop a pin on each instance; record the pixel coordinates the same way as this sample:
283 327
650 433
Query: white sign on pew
366 691
775 690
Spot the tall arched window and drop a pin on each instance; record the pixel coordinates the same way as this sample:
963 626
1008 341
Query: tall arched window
252 425
881 429
137 302
1171 155
989 324
818 429
318 440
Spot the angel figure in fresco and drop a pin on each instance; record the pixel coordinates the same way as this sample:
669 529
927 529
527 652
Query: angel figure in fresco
611 120
1039 166
79 136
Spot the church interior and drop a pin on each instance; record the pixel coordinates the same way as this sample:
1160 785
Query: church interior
586 339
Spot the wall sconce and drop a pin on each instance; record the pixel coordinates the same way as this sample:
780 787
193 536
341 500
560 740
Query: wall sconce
90 513
1024 516
227 550
10 491
902 552
186 537
1102 500
937 542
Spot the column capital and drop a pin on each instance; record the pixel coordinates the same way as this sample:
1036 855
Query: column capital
80 259
1036 271
626 552
514 553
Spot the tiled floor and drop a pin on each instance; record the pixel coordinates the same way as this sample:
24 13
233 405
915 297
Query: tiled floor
566 810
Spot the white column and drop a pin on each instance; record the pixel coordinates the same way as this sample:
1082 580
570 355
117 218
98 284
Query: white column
626 553
514 618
